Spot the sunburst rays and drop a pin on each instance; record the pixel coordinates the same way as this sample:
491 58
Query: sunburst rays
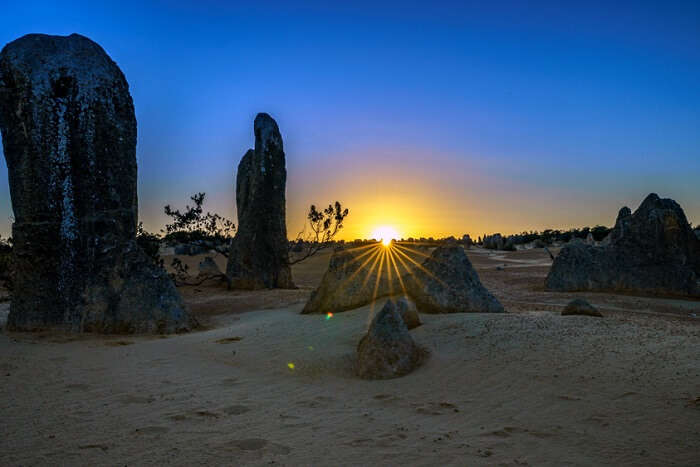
384 269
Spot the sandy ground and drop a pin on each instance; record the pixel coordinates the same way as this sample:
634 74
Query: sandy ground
261 384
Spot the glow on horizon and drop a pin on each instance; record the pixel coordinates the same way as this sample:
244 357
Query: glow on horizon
385 234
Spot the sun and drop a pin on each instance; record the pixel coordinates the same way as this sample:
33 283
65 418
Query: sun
386 234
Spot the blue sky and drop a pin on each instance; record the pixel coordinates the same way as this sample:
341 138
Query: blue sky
436 117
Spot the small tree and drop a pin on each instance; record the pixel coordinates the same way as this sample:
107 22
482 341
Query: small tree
150 244
319 230
193 225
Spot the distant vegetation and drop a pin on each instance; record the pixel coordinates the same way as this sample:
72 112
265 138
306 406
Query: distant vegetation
6 262
193 226
194 231
319 231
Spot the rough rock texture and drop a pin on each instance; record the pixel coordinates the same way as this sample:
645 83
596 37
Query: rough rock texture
579 306
258 257
651 251
409 312
388 350
447 283
351 281
69 137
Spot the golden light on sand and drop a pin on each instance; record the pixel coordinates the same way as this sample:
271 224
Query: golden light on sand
385 234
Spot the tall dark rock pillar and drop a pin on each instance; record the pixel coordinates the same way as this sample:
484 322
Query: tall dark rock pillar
258 258
69 137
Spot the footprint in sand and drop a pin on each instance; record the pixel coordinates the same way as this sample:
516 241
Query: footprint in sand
78 386
386 397
229 382
102 447
131 399
151 430
117 343
435 408
228 340
236 410
256 444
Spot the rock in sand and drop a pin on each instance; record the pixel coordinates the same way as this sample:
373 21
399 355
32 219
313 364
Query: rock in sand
387 350
447 283
579 306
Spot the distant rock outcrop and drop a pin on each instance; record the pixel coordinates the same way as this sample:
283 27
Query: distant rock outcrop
589 239
208 270
387 350
353 279
467 241
447 283
579 306
259 258
69 137
494 242
653 250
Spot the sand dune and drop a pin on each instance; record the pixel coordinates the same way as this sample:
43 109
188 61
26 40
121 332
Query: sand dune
274 387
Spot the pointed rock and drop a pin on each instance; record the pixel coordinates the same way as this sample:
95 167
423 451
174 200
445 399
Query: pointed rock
447 283
388 350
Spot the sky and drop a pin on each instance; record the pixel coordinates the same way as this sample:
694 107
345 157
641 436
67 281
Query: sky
432 118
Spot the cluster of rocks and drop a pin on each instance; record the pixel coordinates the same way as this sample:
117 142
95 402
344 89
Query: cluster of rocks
445 282
351 281
69 137
493 242
653 251
500 242
258 257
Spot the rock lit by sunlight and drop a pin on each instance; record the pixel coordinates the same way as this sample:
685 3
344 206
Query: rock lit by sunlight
385 234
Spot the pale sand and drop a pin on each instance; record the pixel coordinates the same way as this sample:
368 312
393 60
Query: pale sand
526 388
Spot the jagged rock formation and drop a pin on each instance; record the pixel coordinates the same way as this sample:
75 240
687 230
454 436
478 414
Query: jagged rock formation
653 251
447 283
581 307
69 137
258 258
354 278
387 350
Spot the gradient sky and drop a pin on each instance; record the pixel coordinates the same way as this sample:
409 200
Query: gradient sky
436 118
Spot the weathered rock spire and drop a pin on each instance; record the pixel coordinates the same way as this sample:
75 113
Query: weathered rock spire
69 137
259 258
